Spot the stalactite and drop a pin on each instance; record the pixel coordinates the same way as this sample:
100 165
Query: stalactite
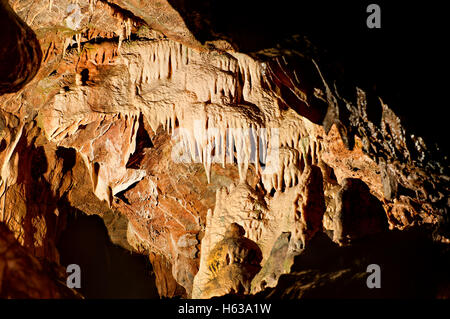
78 39
92 4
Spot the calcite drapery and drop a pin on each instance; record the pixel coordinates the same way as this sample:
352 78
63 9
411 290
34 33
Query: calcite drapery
130 114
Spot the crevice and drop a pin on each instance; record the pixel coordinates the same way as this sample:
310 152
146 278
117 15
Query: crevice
68 155
143 142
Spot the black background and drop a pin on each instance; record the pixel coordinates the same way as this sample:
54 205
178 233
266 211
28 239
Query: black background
404 62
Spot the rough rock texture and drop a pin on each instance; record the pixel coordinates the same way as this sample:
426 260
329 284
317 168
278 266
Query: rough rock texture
279 262
172 127
232 263
358 213
24 276
166 284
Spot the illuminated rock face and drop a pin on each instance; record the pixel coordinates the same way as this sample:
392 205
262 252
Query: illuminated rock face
132 116
232 263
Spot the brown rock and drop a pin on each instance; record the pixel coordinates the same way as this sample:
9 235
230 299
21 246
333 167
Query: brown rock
166 284
359 213
310 204
23 276
232 264
127 118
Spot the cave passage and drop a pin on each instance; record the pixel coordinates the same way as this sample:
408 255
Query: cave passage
108 271
412 266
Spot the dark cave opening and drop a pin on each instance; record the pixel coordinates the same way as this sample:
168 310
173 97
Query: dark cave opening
108 271
412 266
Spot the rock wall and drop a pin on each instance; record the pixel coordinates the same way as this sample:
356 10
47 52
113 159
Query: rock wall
130 115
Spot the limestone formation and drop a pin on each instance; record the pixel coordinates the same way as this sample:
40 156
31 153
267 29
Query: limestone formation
221 160
231 264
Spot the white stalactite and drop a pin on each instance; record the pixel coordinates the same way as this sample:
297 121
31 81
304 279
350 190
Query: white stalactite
78 39
213 123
